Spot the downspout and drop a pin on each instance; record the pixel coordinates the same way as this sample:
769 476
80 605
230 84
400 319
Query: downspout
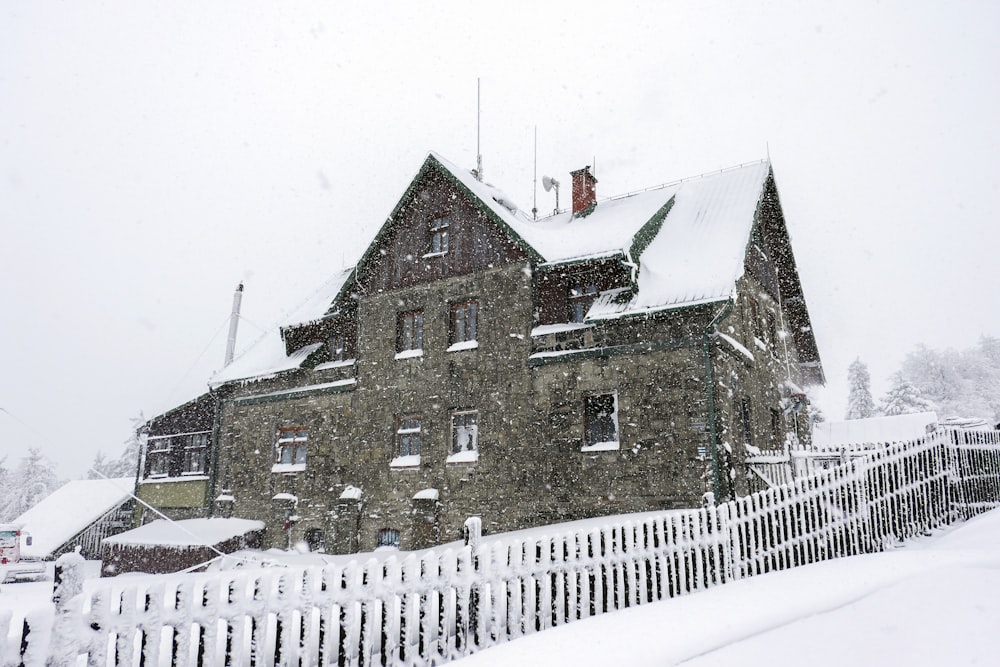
713 436
216 429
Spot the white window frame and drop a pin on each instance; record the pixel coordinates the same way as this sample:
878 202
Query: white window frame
408 431
294 439
467 451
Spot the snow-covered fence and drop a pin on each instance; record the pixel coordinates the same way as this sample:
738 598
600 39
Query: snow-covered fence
447 603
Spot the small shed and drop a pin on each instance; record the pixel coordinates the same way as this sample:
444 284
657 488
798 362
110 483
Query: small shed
80 513
874 430
171 546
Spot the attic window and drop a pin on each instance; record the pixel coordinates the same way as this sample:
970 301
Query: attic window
580 297
437 229
337 347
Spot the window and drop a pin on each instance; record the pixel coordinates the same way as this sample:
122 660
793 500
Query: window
464 432
315 541
777 435
464 322
195 454
291 448
745 421
158 457
410 331
388 538
438 235
408 437
600 422
336 345
580 298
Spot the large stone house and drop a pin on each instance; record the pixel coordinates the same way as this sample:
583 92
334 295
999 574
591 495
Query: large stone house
621 356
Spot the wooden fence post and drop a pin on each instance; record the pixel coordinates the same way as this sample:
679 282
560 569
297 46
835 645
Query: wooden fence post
67 585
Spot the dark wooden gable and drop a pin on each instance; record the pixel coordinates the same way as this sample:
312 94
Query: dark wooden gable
195 415
406 252
770 260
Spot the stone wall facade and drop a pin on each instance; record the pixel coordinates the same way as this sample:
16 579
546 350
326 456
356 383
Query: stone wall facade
530 400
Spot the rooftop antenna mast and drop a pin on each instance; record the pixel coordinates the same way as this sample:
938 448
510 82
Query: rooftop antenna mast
534 182
479 155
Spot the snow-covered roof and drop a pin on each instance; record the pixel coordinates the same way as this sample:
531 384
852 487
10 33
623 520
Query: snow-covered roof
896 428
695 254
688 240
266 356
70 509
189 532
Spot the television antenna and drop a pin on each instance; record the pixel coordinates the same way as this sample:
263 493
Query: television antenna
550 184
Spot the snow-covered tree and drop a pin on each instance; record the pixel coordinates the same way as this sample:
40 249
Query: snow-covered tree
101 467
35 478
860 404
126 464
903 397
962 383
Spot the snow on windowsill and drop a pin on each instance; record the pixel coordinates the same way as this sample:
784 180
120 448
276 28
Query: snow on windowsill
736 346
288 467
544 329
334 364
409 354
464 345
601 447
412 461
468 456
351 493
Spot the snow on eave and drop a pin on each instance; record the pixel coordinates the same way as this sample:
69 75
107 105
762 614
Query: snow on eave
583 259
629 310
276 365
736 345
186 533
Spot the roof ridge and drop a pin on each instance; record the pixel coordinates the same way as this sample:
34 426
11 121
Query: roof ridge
684 180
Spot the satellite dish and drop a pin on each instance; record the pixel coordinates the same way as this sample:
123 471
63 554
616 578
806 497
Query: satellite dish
548 183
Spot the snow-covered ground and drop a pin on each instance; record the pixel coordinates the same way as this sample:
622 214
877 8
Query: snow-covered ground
935 602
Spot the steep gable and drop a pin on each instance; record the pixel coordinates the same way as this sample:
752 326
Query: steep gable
438 229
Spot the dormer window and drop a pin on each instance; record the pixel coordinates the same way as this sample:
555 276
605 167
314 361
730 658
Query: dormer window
336 345
580 298
438 235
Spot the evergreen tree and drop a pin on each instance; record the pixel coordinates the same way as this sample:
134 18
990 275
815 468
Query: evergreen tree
860 404
125 465
903 397
102 468
35 479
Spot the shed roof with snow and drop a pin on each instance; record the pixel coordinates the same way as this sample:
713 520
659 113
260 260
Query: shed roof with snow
896 428
69 510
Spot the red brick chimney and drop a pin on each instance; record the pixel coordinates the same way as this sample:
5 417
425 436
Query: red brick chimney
584 191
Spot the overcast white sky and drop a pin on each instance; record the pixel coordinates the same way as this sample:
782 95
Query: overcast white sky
155 154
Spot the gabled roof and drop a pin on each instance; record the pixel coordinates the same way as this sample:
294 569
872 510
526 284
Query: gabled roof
71 508
688 238
687 242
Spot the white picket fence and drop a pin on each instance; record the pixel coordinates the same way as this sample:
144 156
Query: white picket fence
450 603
